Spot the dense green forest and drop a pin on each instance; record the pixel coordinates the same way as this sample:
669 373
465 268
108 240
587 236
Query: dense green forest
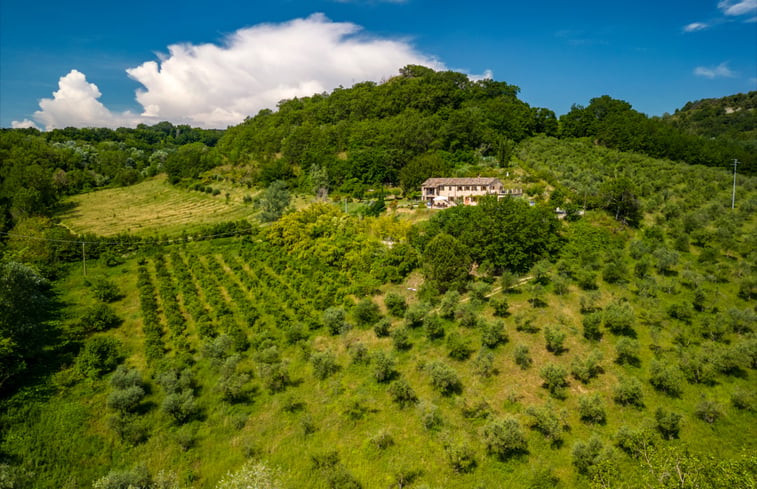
342 335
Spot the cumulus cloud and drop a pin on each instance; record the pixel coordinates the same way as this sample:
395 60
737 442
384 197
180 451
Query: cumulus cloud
216 85
26 123
736 8
75 104
720 71
695 26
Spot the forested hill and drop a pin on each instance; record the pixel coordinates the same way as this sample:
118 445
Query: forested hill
732 117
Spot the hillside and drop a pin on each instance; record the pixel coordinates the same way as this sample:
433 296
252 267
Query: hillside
732 117
624 346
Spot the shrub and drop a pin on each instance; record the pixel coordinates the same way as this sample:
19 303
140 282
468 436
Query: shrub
628 392
382 440
395 304
627 351
668 423
466 315
479 291
366 312
525 324
324 364
708 411
402 393
461 457
634 441
433 326
619 317
504 438
555 338
444 378
744 399
105 290
523 357
250 475
500 307
587 368
382 328
100 355
126 400
383 367
546 422
124 479
125 377
415 314
591 409
591 323
554 377
335 320
493 333
99 317
359 354
460 348
666 378
180 406
430 417
587 454
401 339
483 365
275 376
449 303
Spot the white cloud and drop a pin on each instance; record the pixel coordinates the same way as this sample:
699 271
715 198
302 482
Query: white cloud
720 71
75 104
215 85
23 124
695 26
735 8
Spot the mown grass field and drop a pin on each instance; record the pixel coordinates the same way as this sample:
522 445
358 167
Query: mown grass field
151 207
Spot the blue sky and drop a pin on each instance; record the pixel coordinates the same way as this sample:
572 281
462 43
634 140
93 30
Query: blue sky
225 64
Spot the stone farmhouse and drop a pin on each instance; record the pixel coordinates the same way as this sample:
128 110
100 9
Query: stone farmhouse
447 192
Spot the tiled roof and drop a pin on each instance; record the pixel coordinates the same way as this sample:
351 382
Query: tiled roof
435 182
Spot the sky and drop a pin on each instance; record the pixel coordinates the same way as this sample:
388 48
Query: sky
211 64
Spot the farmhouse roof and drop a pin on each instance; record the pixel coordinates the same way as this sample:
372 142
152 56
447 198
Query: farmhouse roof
435 182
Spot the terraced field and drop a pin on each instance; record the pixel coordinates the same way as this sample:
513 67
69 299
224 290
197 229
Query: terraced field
152 207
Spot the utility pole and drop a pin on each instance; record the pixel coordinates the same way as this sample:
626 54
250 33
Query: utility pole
733 196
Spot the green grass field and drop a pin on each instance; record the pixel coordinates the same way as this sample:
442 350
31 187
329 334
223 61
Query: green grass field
151 207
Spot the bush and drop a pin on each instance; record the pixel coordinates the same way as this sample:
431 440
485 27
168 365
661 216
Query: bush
126 400
125 377
359 353
382 328
461 457
744 399
100 355
483 365
479 291
591 323
366 312
627 351
546 422
554 377
444 378
124 479
460 348
587 368
587 454
634 441
433 326
383 367
99 317
708 411
250 475
555 338
493 333
449 303
523 357
402 393
628 392
395 304
500 306
591 409
466 315
415 314
430 417
382 440
666 378
504 438
335 320
668 423
619 317
324 364
181 406
401 339
105 290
